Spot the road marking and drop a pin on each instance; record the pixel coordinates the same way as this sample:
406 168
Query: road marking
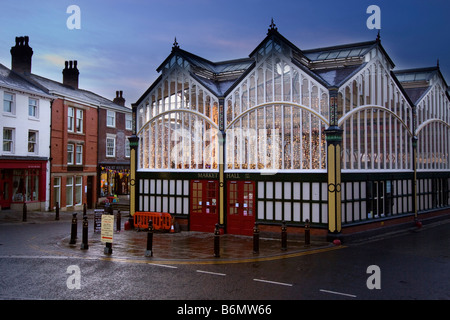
213 273
274 282
339 293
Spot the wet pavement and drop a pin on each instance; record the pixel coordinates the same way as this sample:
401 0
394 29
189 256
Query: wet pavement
177 247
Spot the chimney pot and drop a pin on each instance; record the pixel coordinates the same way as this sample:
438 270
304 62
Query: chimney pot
119 99
21 55
70 74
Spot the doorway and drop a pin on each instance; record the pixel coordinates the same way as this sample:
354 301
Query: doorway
204 208
241 207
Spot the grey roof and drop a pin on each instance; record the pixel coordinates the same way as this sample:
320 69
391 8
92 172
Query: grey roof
81 95
12 80
337 76
419 79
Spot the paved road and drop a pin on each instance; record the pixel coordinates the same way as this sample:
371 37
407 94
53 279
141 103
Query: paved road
410 266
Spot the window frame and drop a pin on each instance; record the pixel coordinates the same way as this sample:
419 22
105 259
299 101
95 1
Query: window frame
11 141
110 115
113 147
70 119
79 116
70 154
128 121
34 107
35 143
12 103
78 154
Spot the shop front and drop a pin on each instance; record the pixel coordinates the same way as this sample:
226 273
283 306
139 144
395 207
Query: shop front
114 180
23 181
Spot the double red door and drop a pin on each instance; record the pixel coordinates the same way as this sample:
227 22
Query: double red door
204 212
240 207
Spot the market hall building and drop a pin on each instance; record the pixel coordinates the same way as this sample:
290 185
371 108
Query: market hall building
331 137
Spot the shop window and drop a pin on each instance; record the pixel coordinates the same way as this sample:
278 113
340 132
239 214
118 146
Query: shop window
26 185
69 192
78 190
56 190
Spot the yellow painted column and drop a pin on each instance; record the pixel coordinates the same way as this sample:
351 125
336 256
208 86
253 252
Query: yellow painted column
334 139
222 198
134 142
334 142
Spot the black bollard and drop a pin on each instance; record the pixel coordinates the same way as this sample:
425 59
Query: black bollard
307 233
84 243
255 239
73 234
216 241
24 212
84 210
283 236
149 252
118 221
57 211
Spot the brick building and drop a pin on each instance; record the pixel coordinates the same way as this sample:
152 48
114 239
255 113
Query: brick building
74 133
114 147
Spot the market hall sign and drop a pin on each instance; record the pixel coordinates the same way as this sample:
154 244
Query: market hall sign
215 175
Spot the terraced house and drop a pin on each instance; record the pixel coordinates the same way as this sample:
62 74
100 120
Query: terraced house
63 131
333 137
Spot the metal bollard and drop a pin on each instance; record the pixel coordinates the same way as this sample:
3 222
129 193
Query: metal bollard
283 236
84 243
216 241
307 233
118 221
149 252
255 239
73 234
24 212
84 210
57 211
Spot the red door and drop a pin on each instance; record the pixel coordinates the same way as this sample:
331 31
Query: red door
5 188
241 207
204 205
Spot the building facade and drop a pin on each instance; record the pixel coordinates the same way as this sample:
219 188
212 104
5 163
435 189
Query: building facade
330 137
25 130
64 134
114 147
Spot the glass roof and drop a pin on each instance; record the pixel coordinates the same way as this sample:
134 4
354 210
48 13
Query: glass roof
336 53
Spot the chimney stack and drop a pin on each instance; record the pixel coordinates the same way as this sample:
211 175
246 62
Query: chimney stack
21 55
70 74
119 99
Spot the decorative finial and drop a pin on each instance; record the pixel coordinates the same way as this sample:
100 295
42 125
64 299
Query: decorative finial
378 36
175 44
273 26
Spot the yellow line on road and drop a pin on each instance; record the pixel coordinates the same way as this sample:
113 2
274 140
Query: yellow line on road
223 261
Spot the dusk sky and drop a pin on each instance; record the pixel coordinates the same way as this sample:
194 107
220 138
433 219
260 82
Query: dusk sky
121 43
